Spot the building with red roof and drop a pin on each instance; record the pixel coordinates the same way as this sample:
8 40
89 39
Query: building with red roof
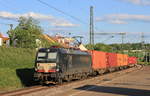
3 40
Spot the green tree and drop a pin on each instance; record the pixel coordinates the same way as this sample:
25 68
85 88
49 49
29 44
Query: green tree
26 33
89 46
99 47
102 47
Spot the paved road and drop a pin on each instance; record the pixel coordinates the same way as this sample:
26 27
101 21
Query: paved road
133 84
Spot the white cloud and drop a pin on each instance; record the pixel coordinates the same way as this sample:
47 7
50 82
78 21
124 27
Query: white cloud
138 2
123 18
130 17
53 20
8 15
117 22
58 29
63 23
38 16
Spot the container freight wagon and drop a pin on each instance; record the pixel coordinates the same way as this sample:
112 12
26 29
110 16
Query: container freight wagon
132 61
99 61
112 61
122 60
125 60
119 60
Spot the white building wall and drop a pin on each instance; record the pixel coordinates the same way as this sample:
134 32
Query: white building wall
1 41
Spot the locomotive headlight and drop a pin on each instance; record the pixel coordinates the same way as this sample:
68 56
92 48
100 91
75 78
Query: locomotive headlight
40 67
57 69
35 69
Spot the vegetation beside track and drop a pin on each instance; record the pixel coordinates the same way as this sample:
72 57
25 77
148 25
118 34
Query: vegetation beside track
16 67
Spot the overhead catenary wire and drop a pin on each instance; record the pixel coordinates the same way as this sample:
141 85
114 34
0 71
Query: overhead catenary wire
110 37
60 11
65 13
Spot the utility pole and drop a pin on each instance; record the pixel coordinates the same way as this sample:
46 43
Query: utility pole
142 40
91 26
122 42
143 46
11 26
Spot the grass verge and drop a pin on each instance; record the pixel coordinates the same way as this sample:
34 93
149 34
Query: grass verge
16 67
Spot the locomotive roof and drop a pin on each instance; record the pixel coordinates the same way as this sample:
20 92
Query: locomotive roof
64 51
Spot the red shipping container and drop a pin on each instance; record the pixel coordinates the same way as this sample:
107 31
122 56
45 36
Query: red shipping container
132 60
99 59
119 60
125 59
112 59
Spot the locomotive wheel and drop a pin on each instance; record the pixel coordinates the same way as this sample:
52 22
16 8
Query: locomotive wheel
68 78
60 81
83 77
41 82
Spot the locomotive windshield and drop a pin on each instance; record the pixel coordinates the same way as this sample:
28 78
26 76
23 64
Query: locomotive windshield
41 56
46 56
52 55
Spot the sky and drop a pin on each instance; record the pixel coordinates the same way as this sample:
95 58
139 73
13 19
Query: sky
72 16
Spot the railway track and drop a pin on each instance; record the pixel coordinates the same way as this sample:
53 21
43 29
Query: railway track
97 79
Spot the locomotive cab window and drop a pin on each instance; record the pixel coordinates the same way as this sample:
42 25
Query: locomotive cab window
52 55
41 56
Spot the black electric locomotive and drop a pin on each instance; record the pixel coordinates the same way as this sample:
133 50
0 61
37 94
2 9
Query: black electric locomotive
59 64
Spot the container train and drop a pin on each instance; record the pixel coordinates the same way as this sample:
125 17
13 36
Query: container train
55 65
